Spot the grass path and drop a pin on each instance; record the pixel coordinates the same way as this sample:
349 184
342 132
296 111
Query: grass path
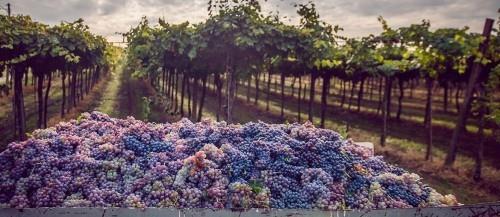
109 101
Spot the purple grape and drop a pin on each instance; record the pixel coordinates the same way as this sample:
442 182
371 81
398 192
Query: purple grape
102 161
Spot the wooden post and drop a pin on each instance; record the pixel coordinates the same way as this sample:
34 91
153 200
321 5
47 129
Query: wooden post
385 106
428 153
480 149
476 71
299 99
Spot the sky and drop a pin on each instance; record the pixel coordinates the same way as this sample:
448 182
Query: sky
357 17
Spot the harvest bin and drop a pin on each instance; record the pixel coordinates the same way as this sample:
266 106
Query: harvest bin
477 210
126 144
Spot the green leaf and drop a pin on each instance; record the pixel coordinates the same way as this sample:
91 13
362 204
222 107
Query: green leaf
192 53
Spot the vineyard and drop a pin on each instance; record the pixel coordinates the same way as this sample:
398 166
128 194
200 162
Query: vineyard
429 98
237 44
68 52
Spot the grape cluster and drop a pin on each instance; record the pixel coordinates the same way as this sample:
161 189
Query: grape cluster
107 162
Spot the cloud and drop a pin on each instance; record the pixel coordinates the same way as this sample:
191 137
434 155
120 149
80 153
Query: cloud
111 7
400 7
54 11
358 17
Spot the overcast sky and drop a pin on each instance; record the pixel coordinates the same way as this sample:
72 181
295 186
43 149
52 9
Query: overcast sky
357 17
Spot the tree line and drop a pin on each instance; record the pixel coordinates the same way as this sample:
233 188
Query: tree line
68 51
238 43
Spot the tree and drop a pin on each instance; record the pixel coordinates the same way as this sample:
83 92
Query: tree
390 57
29 46
317 52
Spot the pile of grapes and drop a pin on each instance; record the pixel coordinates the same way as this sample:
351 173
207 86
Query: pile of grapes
98 161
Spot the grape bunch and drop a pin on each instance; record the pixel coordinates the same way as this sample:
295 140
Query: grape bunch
98 161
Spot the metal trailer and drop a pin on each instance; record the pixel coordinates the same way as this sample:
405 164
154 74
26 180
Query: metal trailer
477 210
